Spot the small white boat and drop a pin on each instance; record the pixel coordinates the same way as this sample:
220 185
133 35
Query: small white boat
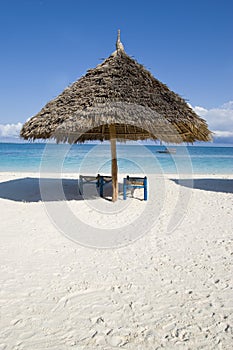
168 150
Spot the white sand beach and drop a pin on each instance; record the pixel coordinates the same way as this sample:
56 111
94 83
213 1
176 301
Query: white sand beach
170 288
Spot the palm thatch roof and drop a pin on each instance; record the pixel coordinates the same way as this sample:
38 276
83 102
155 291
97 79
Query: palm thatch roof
122 92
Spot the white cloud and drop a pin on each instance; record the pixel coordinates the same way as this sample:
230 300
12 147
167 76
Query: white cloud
10 130
220 133
200 111
228 105
219 119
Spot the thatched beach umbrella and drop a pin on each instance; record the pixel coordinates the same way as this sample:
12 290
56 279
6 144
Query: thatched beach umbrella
117 100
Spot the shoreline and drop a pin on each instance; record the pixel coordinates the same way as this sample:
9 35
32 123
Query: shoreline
73 175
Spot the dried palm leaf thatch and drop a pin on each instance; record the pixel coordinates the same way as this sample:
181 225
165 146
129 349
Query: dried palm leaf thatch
122 92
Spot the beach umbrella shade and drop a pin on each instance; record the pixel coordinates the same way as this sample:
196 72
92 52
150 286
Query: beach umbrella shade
119 100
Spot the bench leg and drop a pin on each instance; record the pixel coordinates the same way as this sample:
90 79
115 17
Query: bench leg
145 189
101 187
124 189
80 185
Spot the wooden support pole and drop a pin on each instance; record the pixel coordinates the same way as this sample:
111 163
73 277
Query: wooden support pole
112 131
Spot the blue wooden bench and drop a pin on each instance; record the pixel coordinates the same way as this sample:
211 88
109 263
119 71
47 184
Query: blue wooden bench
133 183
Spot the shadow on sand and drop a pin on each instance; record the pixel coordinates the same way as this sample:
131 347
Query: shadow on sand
30 190
215 185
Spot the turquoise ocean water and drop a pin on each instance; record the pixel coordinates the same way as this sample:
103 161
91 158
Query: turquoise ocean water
86 158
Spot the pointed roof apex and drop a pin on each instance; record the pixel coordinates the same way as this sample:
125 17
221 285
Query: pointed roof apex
119 45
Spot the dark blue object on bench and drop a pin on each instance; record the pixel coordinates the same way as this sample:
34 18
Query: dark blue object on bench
135 182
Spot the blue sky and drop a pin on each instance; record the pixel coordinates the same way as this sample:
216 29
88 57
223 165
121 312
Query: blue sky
48 44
